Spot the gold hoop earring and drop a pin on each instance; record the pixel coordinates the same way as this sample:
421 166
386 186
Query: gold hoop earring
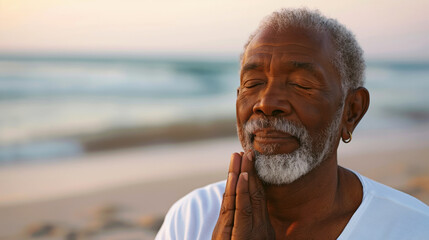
348 140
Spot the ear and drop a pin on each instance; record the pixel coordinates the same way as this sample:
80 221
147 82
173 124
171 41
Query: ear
356 105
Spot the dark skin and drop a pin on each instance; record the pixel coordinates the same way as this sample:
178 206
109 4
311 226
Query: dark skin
289 74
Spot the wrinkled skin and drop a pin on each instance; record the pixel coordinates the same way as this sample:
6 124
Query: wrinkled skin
289 74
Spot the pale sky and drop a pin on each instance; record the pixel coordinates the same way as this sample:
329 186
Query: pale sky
385 28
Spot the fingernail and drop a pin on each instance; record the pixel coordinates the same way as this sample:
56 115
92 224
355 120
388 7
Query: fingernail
229 176
249 156
245 176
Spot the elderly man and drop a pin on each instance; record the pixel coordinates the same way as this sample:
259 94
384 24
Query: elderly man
301 91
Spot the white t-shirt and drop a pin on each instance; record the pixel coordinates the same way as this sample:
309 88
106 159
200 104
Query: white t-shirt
385 213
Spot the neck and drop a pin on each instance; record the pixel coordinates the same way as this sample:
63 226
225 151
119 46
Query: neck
313 196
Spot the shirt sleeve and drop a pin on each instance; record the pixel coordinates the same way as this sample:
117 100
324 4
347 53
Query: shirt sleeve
173 225
194 216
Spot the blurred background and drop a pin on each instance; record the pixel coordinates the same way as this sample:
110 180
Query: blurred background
112 110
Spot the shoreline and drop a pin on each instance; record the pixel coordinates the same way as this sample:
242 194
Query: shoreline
52 148
179 132
27 182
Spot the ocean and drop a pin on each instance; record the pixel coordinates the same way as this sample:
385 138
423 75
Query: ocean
46 102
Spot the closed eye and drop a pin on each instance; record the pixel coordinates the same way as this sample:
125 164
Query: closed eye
300 86
253 83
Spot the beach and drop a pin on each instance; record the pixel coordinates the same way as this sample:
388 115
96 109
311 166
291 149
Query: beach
101 147
124 194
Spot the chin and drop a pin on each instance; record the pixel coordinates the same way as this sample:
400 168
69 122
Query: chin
286 168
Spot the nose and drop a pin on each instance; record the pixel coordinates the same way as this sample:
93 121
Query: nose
273 102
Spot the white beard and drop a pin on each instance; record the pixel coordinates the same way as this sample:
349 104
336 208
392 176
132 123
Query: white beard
288 167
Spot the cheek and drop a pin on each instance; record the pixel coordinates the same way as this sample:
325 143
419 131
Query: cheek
314 115
244 108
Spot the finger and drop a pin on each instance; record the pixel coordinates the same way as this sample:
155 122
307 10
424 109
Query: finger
228 202
234 170
248 165
235 163
256 189
225 221
243 209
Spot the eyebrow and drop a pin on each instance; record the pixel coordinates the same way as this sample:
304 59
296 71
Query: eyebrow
308 66
292 64
304 65
251 66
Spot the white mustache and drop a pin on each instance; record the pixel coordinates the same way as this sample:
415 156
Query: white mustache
278 124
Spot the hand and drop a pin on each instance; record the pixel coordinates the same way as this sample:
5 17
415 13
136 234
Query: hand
243 213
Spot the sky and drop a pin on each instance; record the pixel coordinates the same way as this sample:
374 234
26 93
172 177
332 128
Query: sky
386 29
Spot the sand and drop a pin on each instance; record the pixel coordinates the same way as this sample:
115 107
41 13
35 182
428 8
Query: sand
124 194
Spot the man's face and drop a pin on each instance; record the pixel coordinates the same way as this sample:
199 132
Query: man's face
289 102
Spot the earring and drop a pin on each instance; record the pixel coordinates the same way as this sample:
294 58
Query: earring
348 140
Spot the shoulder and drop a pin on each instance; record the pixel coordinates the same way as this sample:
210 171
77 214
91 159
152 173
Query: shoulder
386 213
194 216
380 193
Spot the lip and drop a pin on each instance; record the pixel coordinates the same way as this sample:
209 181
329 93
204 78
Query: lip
271 136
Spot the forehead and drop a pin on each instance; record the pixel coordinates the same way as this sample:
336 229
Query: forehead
291 45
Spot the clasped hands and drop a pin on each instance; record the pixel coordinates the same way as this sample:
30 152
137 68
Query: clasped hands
244 213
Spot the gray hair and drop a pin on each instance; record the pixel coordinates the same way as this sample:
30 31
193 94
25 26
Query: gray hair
348 59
